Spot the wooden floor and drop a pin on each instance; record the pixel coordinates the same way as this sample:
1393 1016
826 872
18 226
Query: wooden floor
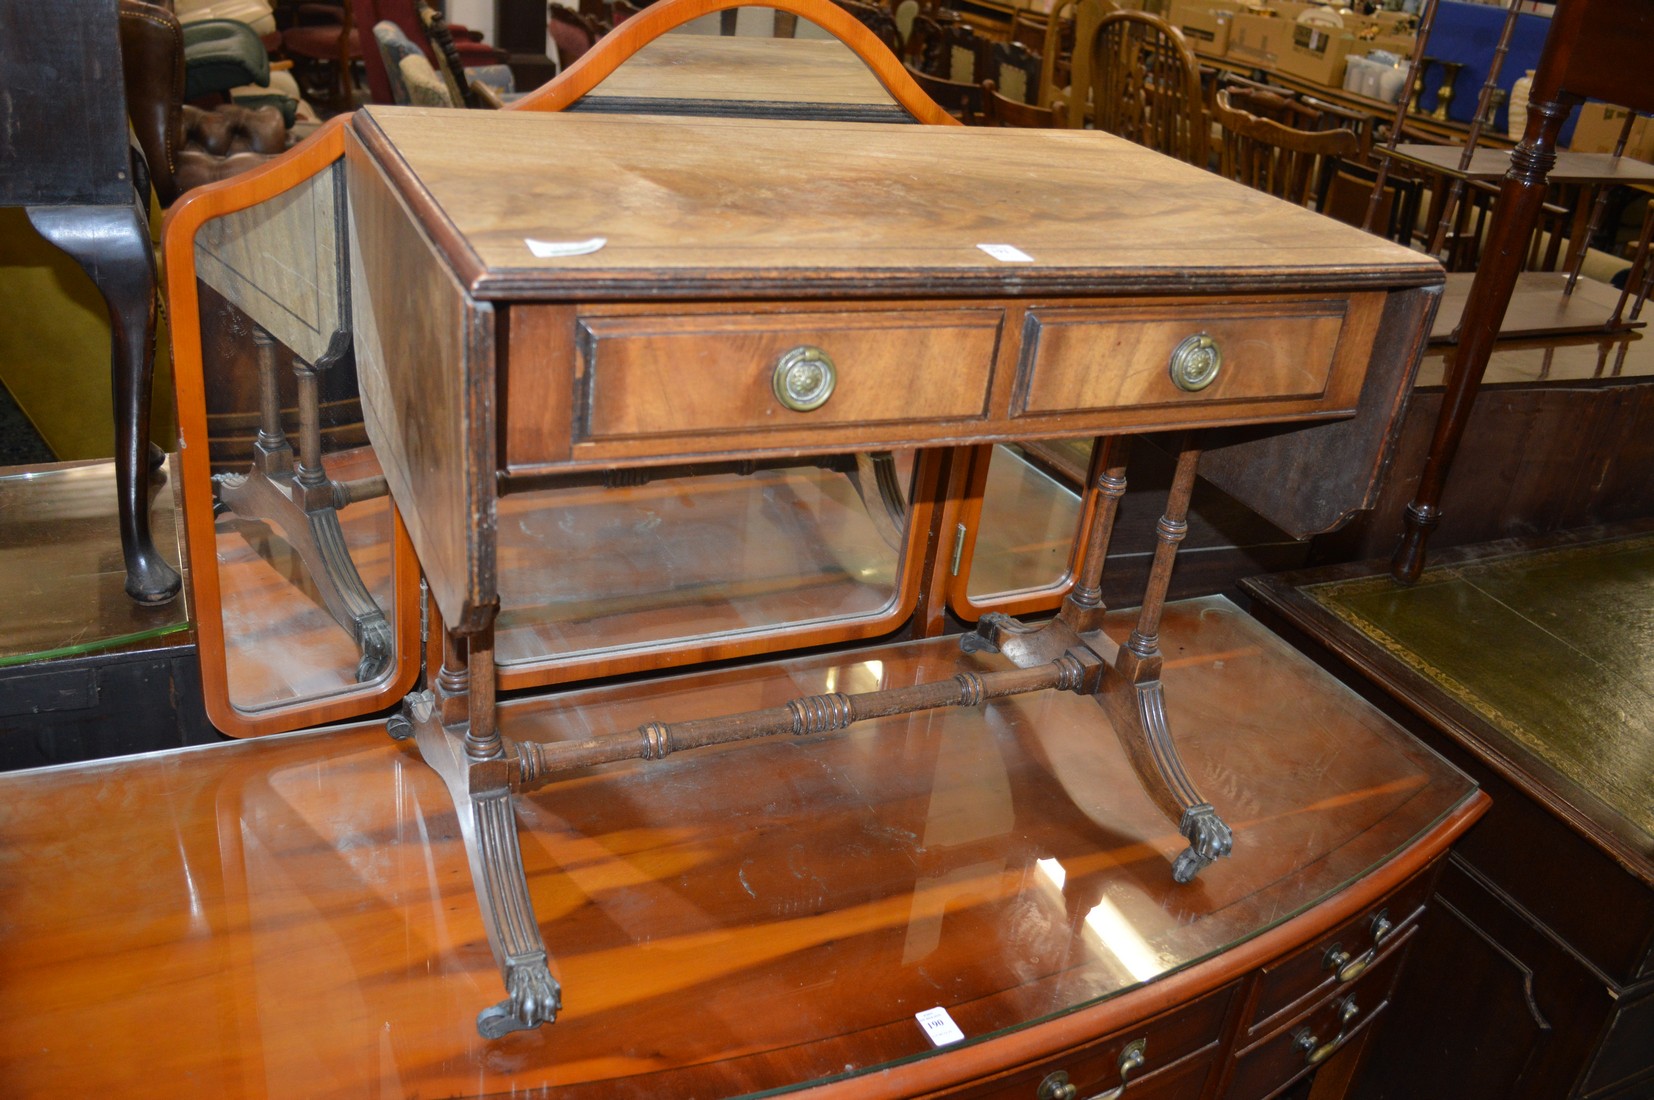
293 916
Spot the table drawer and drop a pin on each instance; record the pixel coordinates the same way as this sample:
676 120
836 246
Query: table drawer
694 373
1340 956
1106 358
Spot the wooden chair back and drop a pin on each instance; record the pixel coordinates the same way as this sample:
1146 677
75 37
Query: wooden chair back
1271 156
879 20
960 100
998 110
1015 71
1145 85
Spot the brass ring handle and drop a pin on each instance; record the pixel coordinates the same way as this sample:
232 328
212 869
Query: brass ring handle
1195 362
804 378
1316 1052
1348 968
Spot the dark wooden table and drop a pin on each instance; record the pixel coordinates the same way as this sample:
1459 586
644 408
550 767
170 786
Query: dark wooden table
753 918
67 162
1525 662
1594 49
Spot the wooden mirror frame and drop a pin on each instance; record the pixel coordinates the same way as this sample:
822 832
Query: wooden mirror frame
184 220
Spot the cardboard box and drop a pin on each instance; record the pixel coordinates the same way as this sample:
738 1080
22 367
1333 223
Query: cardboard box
1204 25
1314 54
1599 126
1258 39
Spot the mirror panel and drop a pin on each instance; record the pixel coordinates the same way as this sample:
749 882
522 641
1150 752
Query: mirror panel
305 590
602 578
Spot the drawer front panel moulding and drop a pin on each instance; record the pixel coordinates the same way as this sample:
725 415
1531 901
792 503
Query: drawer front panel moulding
1109 359
675 375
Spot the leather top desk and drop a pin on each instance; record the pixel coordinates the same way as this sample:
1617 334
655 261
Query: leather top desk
534 296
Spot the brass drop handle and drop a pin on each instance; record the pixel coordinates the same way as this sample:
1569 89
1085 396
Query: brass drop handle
1315 1051
1348 967
804 378
1133 1057
1195 362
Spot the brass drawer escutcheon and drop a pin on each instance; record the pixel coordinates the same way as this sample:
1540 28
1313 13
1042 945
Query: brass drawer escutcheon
1195 363
804 378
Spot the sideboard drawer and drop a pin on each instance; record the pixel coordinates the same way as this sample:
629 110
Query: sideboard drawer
1340 956
695 373
1107 358
1174 1054
1306 1041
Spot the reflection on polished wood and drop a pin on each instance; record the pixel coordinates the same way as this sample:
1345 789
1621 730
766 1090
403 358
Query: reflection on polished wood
62 577
703 89
725 922
750 76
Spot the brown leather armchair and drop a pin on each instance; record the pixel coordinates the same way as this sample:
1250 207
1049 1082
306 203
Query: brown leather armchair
185 145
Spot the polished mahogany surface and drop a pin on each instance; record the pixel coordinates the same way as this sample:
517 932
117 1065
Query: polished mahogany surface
293 915
62 578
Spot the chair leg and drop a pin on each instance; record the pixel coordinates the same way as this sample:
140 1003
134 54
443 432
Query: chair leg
111 243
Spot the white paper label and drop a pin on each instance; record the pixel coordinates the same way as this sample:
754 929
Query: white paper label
939 1026
548 250
1007 253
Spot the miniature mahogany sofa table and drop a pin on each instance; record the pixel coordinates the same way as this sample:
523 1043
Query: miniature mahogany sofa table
529 299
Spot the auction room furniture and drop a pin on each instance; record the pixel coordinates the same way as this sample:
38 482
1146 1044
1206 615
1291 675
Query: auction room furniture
62 75
617 295
1536 979
1594 49
734 922
1145 85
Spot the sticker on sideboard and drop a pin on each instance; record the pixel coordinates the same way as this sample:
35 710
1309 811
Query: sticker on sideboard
1007 253
551 250
939 1026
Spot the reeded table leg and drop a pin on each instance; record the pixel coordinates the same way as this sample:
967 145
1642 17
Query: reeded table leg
456 733
111 243
1130 689
300 501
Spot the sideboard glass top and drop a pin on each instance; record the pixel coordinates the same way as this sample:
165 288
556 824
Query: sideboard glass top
730 921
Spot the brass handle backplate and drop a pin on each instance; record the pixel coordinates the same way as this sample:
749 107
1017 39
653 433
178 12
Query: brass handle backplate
1347 967
804 378
1132 1059
1057 1086
1195 362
